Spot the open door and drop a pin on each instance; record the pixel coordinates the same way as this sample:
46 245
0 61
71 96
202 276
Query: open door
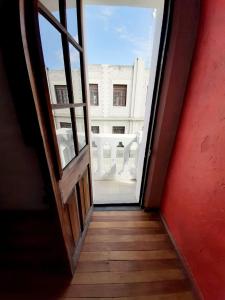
54 50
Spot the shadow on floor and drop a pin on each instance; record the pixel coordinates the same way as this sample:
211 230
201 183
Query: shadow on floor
32 285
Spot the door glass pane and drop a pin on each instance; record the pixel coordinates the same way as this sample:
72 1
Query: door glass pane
52 6
55 71
54 63
76 75
81 135
64 135
71 15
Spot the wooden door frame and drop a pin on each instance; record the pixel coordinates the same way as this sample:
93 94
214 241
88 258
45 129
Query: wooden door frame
30 31
64 175
162 58
184 29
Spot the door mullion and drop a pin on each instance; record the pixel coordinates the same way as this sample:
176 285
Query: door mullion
70 93
66 55
70 90
80 19
62 12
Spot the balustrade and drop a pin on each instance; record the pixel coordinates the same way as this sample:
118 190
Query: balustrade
114 156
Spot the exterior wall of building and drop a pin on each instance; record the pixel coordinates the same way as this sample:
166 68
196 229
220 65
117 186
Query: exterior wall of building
105 115
106 126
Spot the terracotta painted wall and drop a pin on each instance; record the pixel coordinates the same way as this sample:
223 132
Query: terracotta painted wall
194 199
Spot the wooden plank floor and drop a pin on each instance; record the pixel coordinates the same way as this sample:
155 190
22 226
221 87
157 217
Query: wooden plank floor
127 255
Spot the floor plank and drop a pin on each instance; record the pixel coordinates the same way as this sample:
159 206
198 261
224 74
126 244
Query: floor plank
127 277
124 231
127 289
127 255
128 266
130 224
125 238
130 213
174 296
121 246
124 218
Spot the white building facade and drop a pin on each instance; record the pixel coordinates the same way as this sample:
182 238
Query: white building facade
106 115
117 96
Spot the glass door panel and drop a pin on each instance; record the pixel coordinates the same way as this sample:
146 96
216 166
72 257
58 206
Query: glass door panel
54 63
81 134
71 16
64 134
76 74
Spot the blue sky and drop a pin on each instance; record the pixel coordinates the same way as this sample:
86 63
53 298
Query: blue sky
118 34
114 35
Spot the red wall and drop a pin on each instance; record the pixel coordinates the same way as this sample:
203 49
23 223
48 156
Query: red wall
194 199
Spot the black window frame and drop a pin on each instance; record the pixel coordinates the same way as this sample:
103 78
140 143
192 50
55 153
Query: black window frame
95 126
118 127
65 125
91 85
60 89
116 88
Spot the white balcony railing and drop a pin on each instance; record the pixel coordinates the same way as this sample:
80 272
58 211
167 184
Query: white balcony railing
114 156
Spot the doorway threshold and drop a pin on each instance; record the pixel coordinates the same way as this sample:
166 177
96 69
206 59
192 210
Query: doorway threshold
117 207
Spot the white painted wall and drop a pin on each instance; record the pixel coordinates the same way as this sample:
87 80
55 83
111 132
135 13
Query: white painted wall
105 115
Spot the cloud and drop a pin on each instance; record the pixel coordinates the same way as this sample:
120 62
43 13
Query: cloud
154 13
105 13
142 46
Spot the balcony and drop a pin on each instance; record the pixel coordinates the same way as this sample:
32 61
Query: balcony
114 167
114 164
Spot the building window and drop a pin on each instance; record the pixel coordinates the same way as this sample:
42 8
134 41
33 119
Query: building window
93 94
61 94
119 94
118 129
65 125
95 129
